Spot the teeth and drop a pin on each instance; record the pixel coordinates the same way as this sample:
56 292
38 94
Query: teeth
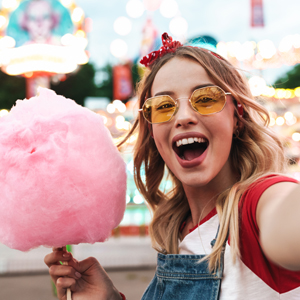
189 141
184 141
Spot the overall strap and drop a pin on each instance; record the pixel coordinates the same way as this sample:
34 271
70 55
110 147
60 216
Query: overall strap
212 243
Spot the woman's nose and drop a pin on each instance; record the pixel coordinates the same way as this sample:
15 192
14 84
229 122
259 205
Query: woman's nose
185 115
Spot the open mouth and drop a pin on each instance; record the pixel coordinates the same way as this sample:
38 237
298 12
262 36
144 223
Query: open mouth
191 148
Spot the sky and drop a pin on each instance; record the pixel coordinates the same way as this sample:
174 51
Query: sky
225 20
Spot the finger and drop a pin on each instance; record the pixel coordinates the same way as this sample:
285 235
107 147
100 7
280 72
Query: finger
59 271
63 284
63 249
56 256
59 248
85 264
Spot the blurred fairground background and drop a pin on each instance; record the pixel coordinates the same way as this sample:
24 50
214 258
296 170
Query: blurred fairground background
89 51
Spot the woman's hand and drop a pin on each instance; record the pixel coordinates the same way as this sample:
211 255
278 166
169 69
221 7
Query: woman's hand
86 279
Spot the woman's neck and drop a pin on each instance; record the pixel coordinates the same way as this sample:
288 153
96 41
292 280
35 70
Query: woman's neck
203 199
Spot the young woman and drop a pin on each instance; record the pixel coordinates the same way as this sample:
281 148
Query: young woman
229 228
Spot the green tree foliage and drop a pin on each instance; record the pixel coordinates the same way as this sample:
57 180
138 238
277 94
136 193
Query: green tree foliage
12 88
290 80
136 74
78 85
105 88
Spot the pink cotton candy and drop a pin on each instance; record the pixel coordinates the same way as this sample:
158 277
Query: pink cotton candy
62 180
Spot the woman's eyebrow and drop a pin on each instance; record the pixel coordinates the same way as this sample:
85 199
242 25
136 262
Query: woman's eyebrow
164 93
201 86
170 93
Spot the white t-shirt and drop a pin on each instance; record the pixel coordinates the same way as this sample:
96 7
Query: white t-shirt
253 276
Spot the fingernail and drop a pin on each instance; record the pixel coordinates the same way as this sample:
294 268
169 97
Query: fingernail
77 274
66 254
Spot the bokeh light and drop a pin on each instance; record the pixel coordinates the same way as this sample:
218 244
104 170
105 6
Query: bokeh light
297 92
138 199
122 26
7 42
280 121
67 39
296 41
70 40
257 85
289 94
258 57
266 49
2 21
104 119
292 121
286 43
67 3
269 91
222 49
122 108
110 108
3 112
280 93
119 125
296 136
118 48
10 4
168 8
288 115
272 122
240 51
152 5
135 8
119 105
126 125
246 52
77 14
178 26
120 119
80 33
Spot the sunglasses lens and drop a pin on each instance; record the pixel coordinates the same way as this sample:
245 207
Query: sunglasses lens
208 100
159 109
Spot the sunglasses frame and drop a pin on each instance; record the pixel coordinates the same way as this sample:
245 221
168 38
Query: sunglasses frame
177 103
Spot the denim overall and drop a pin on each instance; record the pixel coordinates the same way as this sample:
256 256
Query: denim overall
182 277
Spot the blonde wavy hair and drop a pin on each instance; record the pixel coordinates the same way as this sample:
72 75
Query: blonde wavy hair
254 154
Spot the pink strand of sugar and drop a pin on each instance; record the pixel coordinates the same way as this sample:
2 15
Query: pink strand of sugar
62 179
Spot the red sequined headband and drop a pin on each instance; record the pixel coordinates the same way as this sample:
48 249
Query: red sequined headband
168 45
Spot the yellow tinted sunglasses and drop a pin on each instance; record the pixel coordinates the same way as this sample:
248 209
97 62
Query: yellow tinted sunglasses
206 101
